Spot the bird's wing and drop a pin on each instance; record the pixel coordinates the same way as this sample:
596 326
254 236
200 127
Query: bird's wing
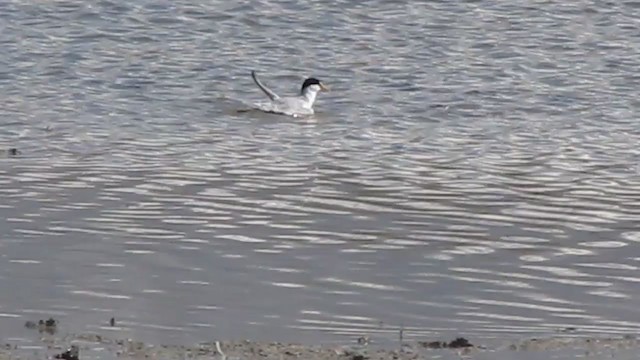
266 90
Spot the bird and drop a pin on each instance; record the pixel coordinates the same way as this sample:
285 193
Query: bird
295 106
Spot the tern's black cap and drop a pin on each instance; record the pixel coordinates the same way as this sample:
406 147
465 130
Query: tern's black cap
309 82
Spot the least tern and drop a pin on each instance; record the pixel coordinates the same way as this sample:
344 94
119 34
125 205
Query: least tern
302 104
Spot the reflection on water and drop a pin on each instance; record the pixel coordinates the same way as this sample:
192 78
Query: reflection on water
474 170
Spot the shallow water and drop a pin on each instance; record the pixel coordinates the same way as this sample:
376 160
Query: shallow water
473 171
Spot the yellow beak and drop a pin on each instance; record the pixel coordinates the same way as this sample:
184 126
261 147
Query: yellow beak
323 87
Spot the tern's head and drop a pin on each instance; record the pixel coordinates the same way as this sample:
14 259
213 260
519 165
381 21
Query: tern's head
314 85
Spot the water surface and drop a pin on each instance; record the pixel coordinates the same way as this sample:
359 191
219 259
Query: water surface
474 170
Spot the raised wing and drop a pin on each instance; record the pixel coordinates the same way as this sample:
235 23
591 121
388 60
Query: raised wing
266 90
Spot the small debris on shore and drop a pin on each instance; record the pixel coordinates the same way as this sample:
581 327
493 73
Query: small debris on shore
359 357
460 343
10 152
30 324
355 355
455 344
363 340
49 326
567 330
71 354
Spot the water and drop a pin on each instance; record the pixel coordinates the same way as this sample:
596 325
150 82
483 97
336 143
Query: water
473 171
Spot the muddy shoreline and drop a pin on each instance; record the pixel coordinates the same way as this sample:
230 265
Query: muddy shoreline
97 346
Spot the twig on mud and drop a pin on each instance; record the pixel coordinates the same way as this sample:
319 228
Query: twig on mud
219 350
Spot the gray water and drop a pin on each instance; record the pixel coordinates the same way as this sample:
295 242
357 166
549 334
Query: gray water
474 170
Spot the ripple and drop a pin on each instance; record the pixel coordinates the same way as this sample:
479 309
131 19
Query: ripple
100 295
604 244
526 306
241 238
25 261
287 285
362 284
6 315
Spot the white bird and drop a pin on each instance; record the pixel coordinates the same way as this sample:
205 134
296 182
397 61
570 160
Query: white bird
290 105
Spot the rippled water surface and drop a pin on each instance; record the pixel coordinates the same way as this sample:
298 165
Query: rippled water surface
474 169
